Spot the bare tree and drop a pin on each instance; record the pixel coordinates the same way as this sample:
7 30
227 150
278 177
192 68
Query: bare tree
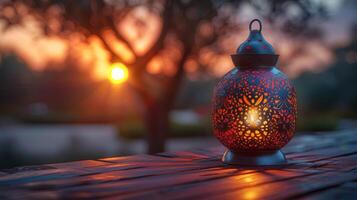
181 20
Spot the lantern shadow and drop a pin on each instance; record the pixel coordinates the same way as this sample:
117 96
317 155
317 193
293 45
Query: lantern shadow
291 164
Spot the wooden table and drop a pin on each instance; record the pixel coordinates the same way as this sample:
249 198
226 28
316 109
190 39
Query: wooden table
321 166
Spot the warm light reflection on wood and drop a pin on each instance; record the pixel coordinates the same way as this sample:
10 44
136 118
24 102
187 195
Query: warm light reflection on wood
104 177
253 184
248 179
250 194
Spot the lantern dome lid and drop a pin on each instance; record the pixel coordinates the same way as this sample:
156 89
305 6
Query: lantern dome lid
255 51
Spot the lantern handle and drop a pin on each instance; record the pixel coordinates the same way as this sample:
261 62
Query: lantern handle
255 20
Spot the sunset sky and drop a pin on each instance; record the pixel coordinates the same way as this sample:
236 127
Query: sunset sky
39 51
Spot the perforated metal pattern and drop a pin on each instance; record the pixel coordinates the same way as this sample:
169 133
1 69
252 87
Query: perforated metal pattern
254 110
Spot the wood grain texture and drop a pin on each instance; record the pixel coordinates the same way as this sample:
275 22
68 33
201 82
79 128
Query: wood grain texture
321 166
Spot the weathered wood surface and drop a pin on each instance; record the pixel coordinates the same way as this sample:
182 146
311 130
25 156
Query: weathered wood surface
321 166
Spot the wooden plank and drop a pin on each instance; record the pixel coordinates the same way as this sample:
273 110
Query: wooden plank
111 168
187 155
154 165
142 159
290 189
314 162
111 176
20 194
323 154
3 174
341 164
83 164
27 169
13 178
222 184
50 172
304 143
202 189
346 191
334 152
134 187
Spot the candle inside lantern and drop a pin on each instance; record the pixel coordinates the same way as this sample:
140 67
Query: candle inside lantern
253 117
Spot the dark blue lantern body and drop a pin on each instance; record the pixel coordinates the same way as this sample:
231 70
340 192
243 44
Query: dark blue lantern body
254 106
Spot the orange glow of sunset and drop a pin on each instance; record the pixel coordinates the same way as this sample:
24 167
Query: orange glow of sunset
141 28
119 47
27 42
118 73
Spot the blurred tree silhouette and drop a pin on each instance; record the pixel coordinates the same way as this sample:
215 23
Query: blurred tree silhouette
335 88
14 79
182 22
345 70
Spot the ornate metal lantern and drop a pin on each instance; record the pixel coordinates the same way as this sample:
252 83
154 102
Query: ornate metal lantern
254 105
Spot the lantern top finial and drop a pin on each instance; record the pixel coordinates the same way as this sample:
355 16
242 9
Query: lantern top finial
255 51
255 20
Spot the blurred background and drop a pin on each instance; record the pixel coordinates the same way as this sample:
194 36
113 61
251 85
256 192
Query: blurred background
88 79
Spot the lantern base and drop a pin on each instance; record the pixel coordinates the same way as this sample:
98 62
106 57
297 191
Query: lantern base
254 158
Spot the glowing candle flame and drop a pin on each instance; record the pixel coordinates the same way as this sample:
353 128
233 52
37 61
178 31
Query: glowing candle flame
253 117
118 73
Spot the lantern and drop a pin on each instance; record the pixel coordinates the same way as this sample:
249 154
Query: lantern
254 105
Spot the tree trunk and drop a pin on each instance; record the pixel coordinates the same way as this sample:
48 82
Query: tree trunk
157 126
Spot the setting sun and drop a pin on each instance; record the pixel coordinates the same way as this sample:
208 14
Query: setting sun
118 73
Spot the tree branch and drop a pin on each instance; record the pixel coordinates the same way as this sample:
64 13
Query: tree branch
144 59
115 56
175 82
119 36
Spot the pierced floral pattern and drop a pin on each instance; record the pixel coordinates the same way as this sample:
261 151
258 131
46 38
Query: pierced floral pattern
254 109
